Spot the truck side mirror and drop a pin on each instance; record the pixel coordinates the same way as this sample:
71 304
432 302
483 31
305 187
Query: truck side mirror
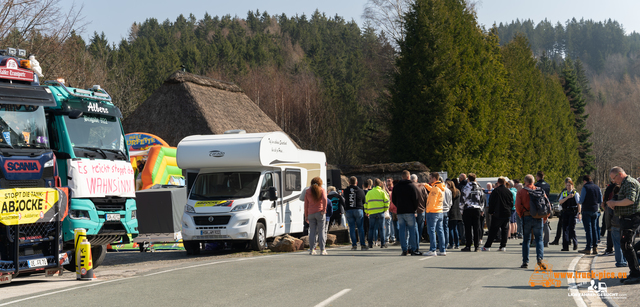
61 155
75 114
273 195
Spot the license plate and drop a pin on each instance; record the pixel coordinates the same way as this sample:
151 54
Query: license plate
113 217
38 262
211 232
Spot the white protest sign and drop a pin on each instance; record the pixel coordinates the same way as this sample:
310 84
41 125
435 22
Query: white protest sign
100 178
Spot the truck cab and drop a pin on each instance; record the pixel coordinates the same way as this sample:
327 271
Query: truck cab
86 136
31 206
244 188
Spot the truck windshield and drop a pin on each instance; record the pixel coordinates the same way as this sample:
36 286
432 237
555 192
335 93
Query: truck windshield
229 185
23 126
96 132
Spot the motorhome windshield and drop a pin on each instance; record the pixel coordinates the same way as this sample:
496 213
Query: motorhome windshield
228 185
23 127
95 132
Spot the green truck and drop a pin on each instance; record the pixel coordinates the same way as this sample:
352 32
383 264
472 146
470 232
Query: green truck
85 133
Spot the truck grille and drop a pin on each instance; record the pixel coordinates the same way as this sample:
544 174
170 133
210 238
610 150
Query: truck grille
36 232
10 184
110 203
215 220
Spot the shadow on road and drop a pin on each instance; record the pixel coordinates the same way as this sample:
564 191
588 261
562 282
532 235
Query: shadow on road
133 257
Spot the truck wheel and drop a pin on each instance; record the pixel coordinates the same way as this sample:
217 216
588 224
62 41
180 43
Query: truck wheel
98 253
259 238
192 247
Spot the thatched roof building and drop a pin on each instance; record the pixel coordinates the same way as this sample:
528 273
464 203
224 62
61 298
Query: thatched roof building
188 104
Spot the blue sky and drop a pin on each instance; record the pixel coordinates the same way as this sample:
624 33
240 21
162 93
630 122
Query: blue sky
115 17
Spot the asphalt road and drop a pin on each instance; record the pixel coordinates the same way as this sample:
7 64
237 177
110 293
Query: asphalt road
378 277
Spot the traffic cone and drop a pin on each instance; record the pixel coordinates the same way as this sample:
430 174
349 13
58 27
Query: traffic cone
79 234
84 261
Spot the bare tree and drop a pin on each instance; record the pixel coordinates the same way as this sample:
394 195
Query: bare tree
387 16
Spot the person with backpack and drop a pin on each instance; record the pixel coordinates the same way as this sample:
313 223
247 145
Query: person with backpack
570 211
590 201
336 201
472 205
328 214
533 207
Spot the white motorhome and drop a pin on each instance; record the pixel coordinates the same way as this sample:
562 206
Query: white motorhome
246 189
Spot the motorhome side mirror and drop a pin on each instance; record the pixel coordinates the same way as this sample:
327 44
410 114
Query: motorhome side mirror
75 114
273 195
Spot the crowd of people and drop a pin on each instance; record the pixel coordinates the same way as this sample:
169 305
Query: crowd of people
455 213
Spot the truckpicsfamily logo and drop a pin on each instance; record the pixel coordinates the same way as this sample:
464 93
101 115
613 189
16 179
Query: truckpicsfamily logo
596 288
22 166
216 153
543 276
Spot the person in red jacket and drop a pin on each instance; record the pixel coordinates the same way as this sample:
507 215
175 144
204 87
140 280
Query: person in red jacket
530 224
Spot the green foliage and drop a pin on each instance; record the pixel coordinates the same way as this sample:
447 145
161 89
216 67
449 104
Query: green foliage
573 91
588 40
543 127
449 100
461 103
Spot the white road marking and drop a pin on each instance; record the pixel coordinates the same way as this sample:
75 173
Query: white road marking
425 258
65 290
333 298
573 287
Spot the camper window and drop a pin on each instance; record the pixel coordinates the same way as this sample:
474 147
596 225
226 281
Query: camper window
292 180
267 182
229 185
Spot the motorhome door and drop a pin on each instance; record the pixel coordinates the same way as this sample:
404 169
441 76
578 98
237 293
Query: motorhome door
272 209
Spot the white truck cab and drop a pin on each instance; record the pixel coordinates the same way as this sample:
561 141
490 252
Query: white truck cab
247 187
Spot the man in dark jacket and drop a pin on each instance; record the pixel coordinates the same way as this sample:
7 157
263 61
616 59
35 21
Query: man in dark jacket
405 198
590 199
500 204
354 212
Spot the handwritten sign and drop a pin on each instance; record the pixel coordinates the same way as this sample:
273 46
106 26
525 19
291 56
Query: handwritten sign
93 178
